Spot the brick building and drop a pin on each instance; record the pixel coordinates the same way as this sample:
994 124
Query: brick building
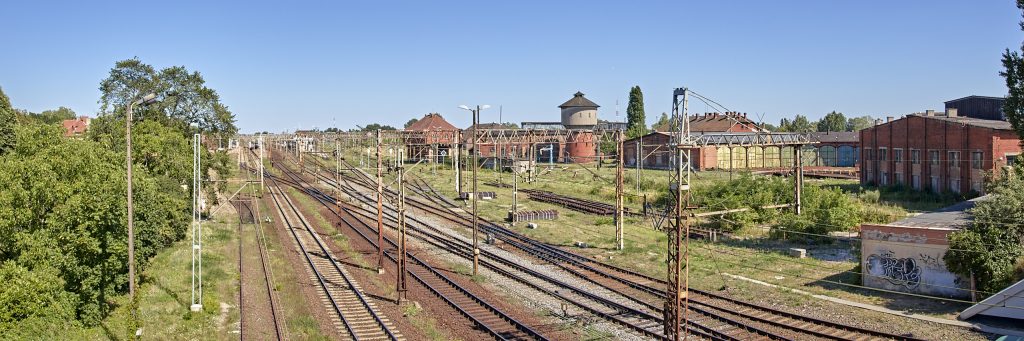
657 154
935 151
430 136
76 126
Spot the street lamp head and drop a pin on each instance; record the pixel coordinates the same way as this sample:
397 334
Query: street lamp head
147 99
464 107
485 106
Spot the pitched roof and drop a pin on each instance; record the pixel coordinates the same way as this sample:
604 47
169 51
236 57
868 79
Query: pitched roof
1005 303
431 121
75 126
727 122
578 101
835 136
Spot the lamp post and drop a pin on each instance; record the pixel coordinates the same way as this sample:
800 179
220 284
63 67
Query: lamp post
145 100
476 155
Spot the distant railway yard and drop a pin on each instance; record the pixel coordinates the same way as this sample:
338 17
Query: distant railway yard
887 203
559 278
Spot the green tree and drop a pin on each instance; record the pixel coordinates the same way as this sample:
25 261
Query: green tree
992 246
57 115
663 124
801 124
833 121
859 123
186 102
785 125
375 126
7 121
1013 63
636 124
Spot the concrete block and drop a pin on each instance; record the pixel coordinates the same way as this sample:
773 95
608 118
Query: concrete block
797 253
531 225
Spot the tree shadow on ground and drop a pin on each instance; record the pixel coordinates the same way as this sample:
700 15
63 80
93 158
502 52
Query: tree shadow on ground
895 301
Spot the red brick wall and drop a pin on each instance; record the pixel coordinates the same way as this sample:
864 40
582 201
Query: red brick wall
927 134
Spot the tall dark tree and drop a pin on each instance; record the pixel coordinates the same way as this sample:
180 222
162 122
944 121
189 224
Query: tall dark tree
636 123
833 121
7 120
1013 63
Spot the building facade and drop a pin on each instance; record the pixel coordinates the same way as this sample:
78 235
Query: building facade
430 138
936 152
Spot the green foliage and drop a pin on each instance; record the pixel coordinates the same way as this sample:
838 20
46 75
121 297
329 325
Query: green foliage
859 123
36 294
833 121
636 123
63 208
186 104
992 246
375 126
799 124
7 120
663 124
746 191
1013 64
411 121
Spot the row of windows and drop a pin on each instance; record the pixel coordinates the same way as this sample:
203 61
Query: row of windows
933 157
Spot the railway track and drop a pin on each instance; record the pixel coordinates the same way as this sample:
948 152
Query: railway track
486 316
352 313
251 324
647 291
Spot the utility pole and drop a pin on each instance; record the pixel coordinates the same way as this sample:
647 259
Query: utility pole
197 225
400 283
457 160
150 98
515 190
677 291
261 162
337 173
639 163
798 176
619 233
380 208
476 218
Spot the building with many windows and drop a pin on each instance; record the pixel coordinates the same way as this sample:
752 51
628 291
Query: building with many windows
936 151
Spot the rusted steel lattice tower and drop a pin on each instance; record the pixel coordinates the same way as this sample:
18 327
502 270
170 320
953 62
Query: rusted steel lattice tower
676 293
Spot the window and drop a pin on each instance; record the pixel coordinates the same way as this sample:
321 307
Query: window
976 160
898 178
954 159
884 179
915 181
954 185
915 156
933 157
935 184
897 155
883 155
1011 159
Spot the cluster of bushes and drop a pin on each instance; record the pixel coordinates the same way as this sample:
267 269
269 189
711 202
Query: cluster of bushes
63 216
991 248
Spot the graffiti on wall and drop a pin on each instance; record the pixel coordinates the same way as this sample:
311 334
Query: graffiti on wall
899 271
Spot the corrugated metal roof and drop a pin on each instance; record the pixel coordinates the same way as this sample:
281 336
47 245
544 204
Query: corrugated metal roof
971 121
835 136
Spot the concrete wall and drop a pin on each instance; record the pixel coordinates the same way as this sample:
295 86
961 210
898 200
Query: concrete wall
579 118
909 259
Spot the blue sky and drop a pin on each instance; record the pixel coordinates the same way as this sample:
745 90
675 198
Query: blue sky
286 65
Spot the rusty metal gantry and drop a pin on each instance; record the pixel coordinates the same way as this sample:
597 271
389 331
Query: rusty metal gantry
683 141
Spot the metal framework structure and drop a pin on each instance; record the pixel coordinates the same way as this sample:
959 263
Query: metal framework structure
197 227
683 141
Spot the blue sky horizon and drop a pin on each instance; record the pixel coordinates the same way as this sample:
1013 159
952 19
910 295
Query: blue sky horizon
307 64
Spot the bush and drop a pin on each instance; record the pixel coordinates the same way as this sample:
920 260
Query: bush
991 246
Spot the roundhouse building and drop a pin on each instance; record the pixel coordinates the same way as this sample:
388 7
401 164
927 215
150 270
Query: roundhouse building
937 151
